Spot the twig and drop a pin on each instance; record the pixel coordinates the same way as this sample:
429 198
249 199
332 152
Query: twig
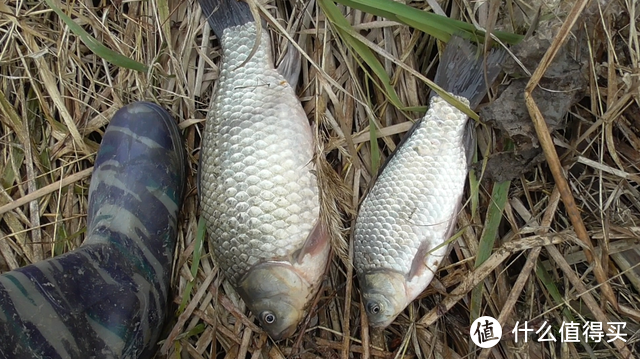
186 315
45 190
532 259
585 295
347 306
552 156
478 275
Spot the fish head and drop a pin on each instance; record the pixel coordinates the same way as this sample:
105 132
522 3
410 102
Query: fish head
278 292
384 296
277 295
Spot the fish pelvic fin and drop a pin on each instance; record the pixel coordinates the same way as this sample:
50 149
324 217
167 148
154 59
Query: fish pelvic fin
222 14
462 70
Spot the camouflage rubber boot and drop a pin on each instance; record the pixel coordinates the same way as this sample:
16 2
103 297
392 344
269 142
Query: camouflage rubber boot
108 298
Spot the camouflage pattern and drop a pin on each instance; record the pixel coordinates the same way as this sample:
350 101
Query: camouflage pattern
108 298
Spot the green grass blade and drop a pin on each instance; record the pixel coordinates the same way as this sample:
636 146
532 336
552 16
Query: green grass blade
492 222
95 46
558 299
199 328
165 19
197 254
35 119
16 156
435 25
553 290
14 121
437 32
185 297
62 237
345 30
375 151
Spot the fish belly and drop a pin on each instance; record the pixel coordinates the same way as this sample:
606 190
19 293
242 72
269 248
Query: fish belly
258 193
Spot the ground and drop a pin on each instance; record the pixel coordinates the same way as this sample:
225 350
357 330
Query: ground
550 227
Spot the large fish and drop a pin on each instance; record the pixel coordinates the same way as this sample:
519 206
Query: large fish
405 220
258 192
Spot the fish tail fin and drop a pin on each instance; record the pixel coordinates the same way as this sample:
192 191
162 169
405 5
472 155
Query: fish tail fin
462 70
222 14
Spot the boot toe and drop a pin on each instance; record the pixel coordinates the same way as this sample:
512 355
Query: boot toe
141 155
150 121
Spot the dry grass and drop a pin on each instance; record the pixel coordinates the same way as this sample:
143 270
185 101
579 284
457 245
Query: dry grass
56 97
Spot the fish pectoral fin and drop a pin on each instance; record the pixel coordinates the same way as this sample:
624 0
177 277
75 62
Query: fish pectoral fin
316 243
289 66
419 263
434 246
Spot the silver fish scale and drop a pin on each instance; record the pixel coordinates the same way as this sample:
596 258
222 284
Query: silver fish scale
259 197
415 196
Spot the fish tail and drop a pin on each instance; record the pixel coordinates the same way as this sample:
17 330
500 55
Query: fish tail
462 70
222 14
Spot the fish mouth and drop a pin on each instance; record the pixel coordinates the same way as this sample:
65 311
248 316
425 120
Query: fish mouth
275 289
384 318
384 296
381 323
284 334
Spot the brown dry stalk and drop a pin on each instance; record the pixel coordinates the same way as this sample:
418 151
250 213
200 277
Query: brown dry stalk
484 270
45 190
586 296
244 346
42 113
552 156
347 306
532 259
356 348
186 315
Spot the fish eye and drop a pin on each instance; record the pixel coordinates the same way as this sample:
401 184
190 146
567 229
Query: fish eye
373 308
268 317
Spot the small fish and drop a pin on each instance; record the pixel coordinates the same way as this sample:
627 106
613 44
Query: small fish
407 217
258 192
